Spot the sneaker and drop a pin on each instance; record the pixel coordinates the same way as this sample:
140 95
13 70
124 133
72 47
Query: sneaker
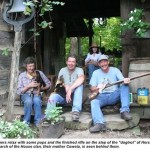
27 123
75 116
126 116
98 127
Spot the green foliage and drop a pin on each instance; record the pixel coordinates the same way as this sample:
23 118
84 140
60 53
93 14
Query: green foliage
15 129
136 22
5 51
42 7
106 35
109 34
117 62
53 113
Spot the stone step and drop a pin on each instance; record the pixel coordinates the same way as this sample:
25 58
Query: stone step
113 121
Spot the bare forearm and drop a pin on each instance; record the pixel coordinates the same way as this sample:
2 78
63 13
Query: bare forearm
77 83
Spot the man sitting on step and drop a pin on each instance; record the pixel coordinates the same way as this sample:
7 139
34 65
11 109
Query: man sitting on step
28 88
108 96
73 78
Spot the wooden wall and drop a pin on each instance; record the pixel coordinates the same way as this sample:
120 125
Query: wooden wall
5 42
53 47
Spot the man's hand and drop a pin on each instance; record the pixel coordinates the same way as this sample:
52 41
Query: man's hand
101 87
68 93
126 80
68 96
33 84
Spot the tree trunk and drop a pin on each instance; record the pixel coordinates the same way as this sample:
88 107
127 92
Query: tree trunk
74 45
13 76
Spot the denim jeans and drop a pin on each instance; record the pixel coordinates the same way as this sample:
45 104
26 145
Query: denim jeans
104 99
30 103
77 99
91 69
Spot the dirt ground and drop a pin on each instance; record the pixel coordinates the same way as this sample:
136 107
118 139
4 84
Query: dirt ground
144 126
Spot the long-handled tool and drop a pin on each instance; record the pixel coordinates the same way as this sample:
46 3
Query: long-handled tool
92 95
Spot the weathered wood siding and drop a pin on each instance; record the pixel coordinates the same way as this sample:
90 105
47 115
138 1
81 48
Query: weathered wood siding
4 75
53 47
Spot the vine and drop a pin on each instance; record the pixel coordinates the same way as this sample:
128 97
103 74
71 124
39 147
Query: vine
42 7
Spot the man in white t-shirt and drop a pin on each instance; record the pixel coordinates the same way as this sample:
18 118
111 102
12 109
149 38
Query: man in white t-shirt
73 82
108 96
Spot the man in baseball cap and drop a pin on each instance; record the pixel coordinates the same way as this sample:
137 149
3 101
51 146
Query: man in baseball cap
103 57
108 96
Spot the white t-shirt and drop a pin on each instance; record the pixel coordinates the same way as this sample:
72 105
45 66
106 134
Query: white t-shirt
92 57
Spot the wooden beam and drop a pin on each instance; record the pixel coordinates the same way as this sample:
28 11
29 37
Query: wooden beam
13 76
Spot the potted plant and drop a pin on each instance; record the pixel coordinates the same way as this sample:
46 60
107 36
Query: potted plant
136 22
52 125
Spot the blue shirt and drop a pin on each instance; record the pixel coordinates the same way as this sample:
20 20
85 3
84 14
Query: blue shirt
100 77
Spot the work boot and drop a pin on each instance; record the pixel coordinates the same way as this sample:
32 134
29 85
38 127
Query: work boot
75 116
126 116
98 127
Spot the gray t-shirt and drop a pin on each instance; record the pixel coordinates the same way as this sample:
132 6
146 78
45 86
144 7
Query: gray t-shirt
70 78
100 77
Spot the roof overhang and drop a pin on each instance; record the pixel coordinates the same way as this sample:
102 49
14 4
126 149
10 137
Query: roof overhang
75 11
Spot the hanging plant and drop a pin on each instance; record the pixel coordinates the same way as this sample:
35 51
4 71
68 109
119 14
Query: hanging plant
136 22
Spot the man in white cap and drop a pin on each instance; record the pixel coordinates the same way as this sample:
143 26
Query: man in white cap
108 96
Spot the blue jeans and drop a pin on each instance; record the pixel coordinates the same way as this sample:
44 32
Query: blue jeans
104 99
29 102
77 99
91 69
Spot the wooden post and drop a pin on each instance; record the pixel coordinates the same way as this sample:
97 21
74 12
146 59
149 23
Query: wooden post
13 76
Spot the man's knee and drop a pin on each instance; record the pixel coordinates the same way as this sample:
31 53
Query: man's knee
28 102
37 101
53 98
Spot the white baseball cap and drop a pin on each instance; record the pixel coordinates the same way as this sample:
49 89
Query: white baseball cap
103 57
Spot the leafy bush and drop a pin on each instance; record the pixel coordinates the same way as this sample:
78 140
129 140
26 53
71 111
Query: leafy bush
53 113
15 129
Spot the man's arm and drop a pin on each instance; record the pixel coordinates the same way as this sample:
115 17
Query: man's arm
78 82
69 89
